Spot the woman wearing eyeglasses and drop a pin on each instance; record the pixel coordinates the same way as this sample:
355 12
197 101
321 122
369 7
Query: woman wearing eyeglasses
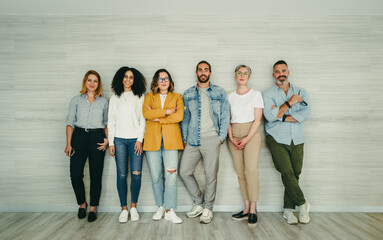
126 132
86 133
246 107
163 110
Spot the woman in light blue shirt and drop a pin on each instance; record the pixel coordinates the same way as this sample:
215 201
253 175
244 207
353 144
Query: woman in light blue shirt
86 133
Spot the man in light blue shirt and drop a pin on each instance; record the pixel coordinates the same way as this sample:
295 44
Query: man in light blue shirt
286 107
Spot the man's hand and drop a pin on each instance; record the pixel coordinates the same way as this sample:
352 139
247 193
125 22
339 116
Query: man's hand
294 99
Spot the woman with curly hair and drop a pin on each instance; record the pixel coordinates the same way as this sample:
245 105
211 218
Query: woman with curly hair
126 126
86 133
163 110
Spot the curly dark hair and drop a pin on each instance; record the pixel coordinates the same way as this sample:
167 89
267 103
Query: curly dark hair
139 84
154 84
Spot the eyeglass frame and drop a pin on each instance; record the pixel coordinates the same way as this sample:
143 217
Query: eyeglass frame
166 79
242 74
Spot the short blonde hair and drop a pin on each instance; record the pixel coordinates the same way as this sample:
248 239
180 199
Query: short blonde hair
243 66
99 88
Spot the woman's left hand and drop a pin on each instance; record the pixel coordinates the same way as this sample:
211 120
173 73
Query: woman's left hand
243 142
104 145
138 148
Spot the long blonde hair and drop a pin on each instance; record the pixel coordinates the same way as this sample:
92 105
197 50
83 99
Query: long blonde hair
99 88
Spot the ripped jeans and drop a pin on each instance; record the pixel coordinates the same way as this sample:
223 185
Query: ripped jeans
160 162
125 147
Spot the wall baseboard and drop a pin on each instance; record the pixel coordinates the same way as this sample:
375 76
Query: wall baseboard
185 208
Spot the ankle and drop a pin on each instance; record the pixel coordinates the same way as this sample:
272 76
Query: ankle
92 209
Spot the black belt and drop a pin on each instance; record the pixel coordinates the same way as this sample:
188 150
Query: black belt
90 129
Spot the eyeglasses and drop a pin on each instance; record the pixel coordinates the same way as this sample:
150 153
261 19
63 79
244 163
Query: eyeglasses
163 79
303 103
243 74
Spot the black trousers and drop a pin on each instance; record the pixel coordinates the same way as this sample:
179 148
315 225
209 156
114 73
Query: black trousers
84 143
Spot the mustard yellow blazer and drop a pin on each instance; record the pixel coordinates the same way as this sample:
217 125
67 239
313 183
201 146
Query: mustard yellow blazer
168 124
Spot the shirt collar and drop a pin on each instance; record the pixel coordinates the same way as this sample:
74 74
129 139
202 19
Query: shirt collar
83 95
210 88
291 86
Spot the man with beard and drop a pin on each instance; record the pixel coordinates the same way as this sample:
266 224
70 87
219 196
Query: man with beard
286 107
204 129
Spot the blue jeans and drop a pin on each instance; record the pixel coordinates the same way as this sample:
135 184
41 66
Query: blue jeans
157 161
124 147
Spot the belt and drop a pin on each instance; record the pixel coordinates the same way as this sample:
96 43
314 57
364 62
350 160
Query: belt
90 129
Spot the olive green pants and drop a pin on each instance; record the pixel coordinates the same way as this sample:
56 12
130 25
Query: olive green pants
288 160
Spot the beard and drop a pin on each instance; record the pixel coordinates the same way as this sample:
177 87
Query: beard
281 82
203 81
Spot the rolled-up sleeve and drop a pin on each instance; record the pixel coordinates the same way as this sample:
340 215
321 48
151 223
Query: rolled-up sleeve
269 112
305 111
71 117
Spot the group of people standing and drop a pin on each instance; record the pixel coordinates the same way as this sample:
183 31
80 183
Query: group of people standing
163 122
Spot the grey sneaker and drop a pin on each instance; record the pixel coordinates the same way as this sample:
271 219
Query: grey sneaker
206 216
304 213
289 216
195 212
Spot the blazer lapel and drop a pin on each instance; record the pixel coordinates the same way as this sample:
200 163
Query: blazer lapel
168 99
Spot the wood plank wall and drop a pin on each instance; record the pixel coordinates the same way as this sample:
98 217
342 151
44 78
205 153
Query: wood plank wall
338 59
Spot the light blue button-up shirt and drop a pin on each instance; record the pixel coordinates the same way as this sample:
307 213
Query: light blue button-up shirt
285 132
85 115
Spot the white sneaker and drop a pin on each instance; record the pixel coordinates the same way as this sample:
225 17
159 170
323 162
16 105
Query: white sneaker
304 213
289 216
134 214
206 216
159 214
123 218
172 216
195 212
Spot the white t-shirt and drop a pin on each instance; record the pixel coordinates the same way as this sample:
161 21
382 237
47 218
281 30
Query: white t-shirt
242 106
125 118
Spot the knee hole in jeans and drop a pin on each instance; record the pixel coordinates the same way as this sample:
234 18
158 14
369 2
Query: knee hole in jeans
171 170
136 172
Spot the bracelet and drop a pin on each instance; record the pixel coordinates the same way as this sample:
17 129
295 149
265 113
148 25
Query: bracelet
284 118
288 104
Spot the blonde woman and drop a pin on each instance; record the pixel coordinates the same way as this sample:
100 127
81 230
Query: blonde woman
86 133
246 107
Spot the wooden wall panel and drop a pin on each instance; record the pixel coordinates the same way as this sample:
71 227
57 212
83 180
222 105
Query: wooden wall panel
338 59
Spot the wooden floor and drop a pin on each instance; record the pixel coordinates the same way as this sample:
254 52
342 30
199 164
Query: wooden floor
270 226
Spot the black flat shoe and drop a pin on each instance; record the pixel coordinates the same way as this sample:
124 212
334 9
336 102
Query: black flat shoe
82 212
252 219
240 216
92 217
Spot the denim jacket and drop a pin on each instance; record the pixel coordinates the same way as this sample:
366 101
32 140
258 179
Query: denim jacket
219 113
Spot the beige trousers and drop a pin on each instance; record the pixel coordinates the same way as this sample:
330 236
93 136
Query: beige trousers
246 161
